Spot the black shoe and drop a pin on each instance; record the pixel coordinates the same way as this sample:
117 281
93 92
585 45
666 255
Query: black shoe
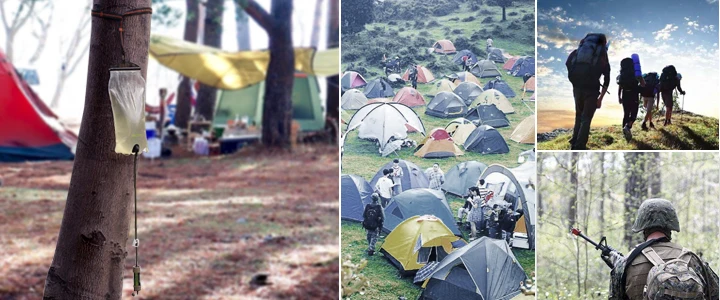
370 252
644 127
669 122
652 125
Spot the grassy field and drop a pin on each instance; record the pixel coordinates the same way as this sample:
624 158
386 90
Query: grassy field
362 51
688 132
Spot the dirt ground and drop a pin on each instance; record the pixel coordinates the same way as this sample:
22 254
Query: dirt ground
206 225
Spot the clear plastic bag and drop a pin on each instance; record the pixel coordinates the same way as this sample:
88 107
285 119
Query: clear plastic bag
127 95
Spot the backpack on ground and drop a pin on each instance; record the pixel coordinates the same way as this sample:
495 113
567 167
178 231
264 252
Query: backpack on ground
669 78
673 279
651 84
588 63
373 217
626 79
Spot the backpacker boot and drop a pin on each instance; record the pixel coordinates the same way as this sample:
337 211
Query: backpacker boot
627 133
644 127
652 125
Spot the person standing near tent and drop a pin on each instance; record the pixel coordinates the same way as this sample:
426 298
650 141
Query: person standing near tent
585 65
628 95
413 76
384 187
669 81
476 212
507 224
651 95
649 270
465 209
488 44
436 177
372 222
397 175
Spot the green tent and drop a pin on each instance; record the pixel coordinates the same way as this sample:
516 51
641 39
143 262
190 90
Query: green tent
307 107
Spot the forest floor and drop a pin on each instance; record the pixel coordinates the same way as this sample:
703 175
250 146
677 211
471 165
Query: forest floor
207 225
688 132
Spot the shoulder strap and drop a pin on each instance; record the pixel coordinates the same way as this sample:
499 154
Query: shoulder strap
652 256
638 251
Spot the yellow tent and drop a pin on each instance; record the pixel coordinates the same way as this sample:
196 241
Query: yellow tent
525 131
462 132
418 240
444 85
493 96
233 70
438 144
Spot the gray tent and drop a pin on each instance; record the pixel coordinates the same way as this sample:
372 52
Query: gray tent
457 59
413 176
446 105
378 88
353 99
468 91
463 176
522 66
487 115
485 68
500 85
496 55
418 202
355 193
486 140
484 269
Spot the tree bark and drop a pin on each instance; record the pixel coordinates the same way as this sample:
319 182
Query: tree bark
332 99
656 180
572 204
635 190
277 109
184 93
602 194
91 247
212 36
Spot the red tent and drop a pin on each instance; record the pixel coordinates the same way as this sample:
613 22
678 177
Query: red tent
410 97
30 130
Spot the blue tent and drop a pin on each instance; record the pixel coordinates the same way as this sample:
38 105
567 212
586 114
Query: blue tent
418 202
355 193
524 65
457 59
501 86
413 176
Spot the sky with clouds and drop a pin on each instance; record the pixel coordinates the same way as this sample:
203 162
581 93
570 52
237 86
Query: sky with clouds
662 32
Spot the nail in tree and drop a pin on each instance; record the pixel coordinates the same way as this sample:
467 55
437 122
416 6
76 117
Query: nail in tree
89 260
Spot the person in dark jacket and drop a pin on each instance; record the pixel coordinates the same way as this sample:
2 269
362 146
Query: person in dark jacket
372 222
508 223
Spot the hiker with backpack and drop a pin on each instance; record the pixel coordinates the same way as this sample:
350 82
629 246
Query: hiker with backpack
585 65
669 81
628 95
659 268
372 222
651 95
384 187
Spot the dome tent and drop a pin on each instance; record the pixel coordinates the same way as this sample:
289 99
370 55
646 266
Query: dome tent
418 202
378 88
410 97
423 75
355 193
446 105
438 144
385 121
463 176
444 47
457 59
484 269
461 77
501 86
460 129
525 131
496 55
351 80
413 177
468 91
485 68
524 65
486 140
494 97
509 63
353 99
417 241
488 115
443 85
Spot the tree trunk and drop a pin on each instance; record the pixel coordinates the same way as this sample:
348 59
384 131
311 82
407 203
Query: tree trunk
656 180
602 194
91 247
332 99
572 204
9 36
635 190
540 174
212 36
277 109
504 18
184 93
58 90
242 27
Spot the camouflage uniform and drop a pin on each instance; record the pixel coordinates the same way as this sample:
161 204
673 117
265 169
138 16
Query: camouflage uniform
628 279
372 236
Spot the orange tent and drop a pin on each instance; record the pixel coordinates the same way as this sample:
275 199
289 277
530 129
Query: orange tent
410 97
444 47
438 144
509 63
424 75
529 86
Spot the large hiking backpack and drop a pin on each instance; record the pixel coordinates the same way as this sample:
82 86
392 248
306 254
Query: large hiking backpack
626 79
668 78
651 84
587 63
673 279
373 218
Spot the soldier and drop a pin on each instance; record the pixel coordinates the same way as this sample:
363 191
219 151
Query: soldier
659 268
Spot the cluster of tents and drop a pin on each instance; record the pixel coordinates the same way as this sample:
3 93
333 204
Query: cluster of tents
424 239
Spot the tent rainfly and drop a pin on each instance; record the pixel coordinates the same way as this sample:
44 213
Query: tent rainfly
486 140
438 144
413 177
353 99
378 88
494 97
460 129
468 91
509 63
443 85
485 68
488 115
444 47
524 65
384 121
351 80
496 55
355 193
463 176
423 75
446 105
418 202
410 97
525 131
501 86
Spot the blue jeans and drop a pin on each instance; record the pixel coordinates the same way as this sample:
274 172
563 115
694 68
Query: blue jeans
585 107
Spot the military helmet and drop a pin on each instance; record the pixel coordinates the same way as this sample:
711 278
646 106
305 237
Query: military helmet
656 213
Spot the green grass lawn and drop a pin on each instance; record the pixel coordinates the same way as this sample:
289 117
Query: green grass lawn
688 132
361 157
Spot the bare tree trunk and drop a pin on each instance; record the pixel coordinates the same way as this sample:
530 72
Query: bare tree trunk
242 27
90 251
315 37
42 34
332 99
602 193
656 171
635 190
73 55
212 36
504 18
540 174
13 25
572 204
184 93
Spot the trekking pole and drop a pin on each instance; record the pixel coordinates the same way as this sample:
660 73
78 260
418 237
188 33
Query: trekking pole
682 108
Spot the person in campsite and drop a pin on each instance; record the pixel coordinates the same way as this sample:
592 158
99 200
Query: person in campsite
384 187
585 65
488 44
628 95
373 222
650 269
413 76
476 212
507 224
436 177
651 95
669 81
397 174
465 209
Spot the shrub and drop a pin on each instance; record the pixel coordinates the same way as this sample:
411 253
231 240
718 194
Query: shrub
454 19
468 19
457 31
392 23
528 17
433 23
487 20
512 14
515 25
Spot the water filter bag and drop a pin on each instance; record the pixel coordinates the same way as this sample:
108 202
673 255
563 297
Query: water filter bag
127 96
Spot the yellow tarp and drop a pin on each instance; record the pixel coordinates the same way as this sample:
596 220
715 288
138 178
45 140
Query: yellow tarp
234 70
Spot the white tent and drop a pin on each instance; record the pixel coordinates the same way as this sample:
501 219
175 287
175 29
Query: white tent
383 121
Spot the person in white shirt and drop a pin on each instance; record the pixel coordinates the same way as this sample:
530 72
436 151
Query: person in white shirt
384 187
396 176
489 44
